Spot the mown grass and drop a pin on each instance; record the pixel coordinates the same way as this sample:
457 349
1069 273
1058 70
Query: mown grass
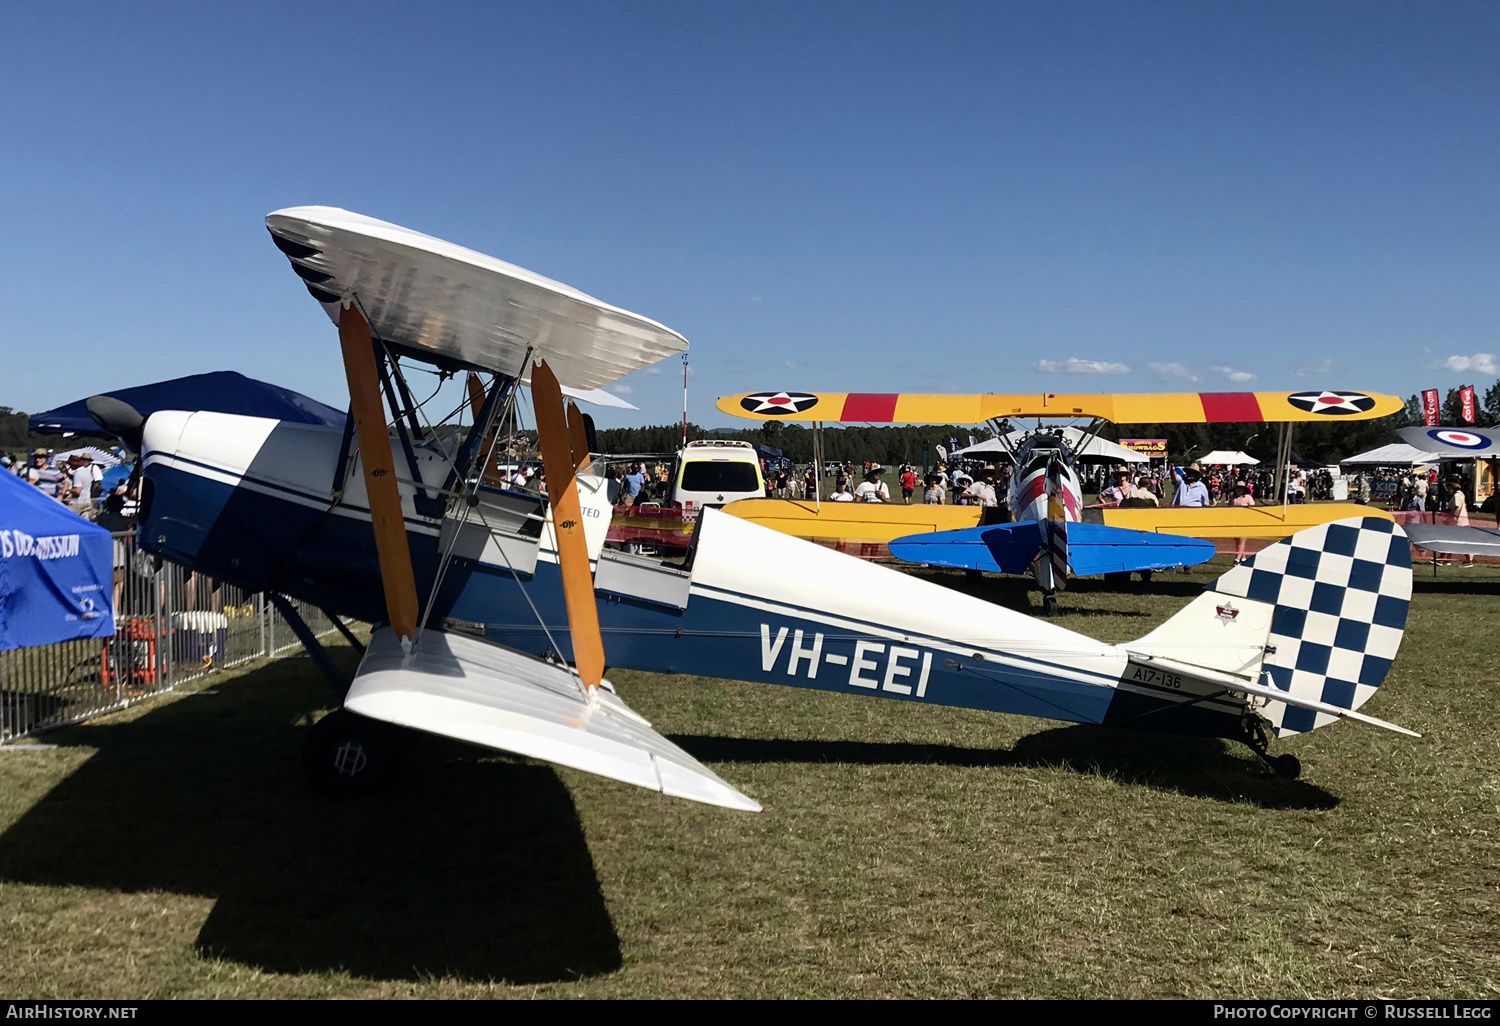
173 850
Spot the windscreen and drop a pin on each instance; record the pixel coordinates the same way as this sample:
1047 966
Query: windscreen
709 476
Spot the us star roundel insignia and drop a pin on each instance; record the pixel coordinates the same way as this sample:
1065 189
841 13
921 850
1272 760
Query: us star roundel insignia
1460 439
778 404
1331 404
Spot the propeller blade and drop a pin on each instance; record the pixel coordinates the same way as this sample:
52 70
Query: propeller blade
476 404
578 438
117 418
567 522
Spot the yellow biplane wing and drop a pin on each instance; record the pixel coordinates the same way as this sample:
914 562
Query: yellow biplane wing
1138 408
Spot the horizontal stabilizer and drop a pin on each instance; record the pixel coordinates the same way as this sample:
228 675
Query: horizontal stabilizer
1101 549
1312 623
1312 705
467 689
1461 541
968 548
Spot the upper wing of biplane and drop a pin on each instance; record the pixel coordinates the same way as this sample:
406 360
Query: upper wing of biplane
465 310
1138 408
1462 442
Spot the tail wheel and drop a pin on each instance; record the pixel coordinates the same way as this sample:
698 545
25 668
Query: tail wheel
1257 737
349 756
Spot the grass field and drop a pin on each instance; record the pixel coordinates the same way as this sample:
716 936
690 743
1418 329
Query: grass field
173 850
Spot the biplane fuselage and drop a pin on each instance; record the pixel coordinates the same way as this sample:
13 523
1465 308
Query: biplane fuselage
252 501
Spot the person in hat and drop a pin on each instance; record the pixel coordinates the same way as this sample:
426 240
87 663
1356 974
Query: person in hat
872 489
80 483
1194 492
43 474
982 491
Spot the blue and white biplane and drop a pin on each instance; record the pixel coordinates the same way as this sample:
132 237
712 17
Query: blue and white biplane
496 609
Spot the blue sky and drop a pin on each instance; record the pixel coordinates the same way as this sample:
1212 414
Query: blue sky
986 197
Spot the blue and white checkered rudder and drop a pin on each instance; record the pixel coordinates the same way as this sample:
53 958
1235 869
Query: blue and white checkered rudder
1341 592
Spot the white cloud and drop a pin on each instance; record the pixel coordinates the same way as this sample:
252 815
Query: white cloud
1235 375
654 369
1324 366
756 299
1073 365
622 389
1171 372
1482 363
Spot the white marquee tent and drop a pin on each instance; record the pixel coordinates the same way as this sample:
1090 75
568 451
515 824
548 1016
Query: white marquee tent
1225 458
1397 454
1097 448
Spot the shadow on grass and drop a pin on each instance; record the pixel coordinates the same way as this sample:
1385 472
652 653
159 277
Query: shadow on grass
1442 587
474 868
1192 766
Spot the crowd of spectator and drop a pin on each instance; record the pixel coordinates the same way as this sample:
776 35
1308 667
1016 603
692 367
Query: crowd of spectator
77 482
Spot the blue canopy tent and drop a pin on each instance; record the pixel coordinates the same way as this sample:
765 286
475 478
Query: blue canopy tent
219 391
55 579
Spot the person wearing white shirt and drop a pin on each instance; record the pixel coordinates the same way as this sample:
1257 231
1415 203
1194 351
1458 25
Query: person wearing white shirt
842 495
982 492
872 489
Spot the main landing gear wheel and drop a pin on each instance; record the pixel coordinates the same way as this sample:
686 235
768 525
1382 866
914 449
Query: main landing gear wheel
348 756
1049 605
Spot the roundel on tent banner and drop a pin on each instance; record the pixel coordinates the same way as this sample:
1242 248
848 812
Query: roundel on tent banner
1461 439
778 404
1331 404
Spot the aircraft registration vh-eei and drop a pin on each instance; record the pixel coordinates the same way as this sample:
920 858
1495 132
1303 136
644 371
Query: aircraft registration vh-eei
497 610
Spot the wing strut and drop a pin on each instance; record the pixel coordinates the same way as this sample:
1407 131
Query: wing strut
560 461
380 472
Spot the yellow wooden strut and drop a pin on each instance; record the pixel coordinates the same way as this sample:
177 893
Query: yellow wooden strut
560 464
379 465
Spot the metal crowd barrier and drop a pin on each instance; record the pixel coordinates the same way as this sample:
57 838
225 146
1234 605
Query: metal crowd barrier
172 625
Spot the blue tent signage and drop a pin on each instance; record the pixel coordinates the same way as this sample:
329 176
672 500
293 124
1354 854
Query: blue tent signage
55 577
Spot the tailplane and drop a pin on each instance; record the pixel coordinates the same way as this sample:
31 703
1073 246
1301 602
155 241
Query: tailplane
1307 628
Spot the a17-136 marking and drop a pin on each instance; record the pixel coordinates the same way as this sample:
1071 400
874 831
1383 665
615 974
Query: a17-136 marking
893 668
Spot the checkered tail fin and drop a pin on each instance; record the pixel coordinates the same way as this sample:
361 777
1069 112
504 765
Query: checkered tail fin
1339 594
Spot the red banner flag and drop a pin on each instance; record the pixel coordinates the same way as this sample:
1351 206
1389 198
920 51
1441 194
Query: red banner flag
1466 404
1430 407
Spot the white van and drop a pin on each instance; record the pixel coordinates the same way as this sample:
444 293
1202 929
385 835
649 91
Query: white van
712 473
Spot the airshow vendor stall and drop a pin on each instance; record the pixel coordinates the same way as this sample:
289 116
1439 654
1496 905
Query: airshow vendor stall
55 577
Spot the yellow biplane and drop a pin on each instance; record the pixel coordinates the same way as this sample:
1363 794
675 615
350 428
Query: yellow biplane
866 529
